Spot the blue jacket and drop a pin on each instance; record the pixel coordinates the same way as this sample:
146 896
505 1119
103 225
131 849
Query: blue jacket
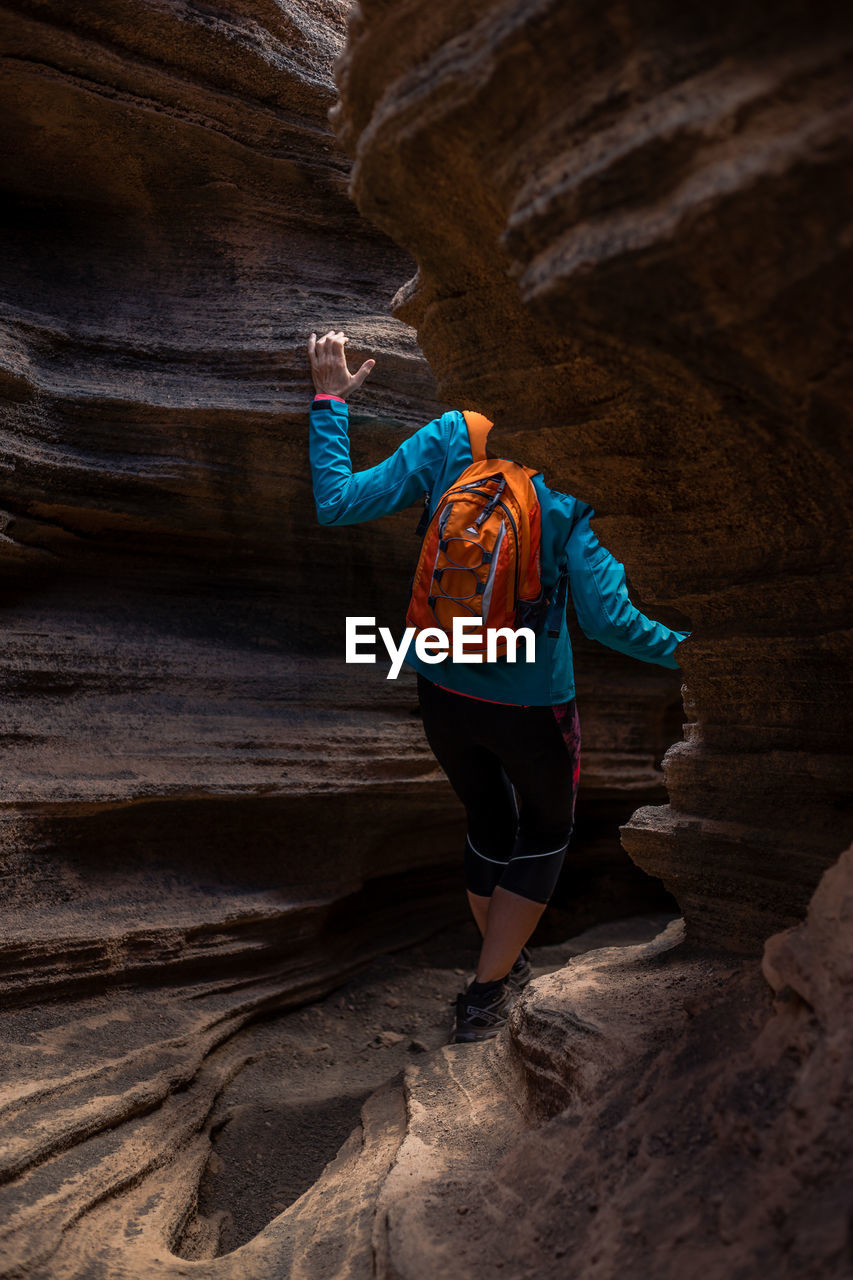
428 462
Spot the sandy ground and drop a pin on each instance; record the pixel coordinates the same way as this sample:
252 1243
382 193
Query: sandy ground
307 1073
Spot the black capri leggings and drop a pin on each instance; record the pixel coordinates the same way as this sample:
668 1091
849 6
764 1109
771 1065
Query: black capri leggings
490 751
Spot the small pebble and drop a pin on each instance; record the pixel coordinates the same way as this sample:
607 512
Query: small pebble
418 1046
392 1002
389 1038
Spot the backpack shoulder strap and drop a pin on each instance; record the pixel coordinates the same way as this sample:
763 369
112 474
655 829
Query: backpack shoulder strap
479 427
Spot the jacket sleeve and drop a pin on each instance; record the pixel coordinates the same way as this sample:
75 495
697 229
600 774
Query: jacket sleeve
602 604
342 496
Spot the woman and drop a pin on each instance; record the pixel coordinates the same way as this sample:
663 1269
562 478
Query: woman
503 732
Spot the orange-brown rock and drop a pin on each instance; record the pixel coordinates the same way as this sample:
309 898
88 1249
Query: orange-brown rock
188 755
633 250
655 1109
630 232
206 815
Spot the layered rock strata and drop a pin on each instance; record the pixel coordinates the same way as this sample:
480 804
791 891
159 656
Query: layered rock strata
206 815
188 762
185 744
633 246
185 753
606 1134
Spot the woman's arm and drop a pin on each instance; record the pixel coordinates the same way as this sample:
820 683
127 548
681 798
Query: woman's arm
342 496
604 609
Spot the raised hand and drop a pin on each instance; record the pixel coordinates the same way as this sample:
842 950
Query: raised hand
329 365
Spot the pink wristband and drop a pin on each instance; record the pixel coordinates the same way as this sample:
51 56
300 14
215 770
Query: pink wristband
323 396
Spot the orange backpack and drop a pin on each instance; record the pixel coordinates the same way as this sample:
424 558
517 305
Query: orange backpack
480 553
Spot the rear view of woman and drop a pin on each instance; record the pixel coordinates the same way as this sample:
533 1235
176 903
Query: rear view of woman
505 733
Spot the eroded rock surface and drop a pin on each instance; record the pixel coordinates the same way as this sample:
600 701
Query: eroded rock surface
206 815
632 236
214 1131
655 1110
633 248
189 760
186 751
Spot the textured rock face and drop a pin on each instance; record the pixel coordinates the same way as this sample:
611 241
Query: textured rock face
187 754
187 765
607 1135
631 230
610 1133
628 230
175 222
206 816
632 236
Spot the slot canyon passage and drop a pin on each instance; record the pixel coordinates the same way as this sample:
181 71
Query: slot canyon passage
231 866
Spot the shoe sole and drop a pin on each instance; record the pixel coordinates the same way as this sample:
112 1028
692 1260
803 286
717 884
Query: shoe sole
475 1037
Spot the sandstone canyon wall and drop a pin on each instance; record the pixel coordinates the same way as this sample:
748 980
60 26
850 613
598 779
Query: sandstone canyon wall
205 815
176 710
631 234
633 245
183 736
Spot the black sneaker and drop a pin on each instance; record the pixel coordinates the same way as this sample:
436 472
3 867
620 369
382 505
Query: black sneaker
481 1016
520 973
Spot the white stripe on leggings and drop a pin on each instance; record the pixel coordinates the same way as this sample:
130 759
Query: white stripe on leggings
497 861
524 857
